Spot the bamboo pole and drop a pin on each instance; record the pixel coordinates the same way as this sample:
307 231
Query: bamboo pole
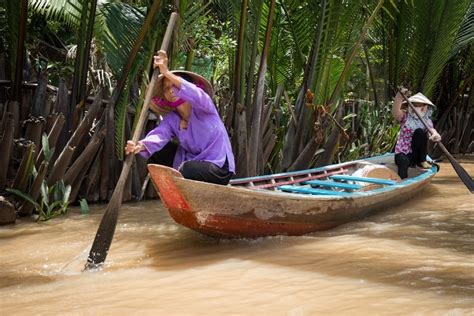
52 137
27 208
92 184
60 165
5 149
79 166
34 129
24 171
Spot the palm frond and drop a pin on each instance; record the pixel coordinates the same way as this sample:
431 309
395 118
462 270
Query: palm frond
449 20
121 24
300 22
67 11
466 32
196 11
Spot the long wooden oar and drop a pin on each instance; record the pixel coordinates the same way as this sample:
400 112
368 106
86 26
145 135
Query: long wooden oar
462 173
105 233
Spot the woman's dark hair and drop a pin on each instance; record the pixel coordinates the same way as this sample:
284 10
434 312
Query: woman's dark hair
185 76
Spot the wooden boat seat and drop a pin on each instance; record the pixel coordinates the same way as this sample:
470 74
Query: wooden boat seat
333 184
313 191
363 179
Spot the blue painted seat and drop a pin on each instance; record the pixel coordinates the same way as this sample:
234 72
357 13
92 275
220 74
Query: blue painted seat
363 179
313 191
333 184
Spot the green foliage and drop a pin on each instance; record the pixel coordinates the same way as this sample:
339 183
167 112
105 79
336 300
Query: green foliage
28 198
426 34
84 206
47 152
58 206
466 31
53 201
447 29
411 42
119 27
66 11
374 131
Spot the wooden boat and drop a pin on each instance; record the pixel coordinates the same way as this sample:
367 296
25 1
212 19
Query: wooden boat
292 203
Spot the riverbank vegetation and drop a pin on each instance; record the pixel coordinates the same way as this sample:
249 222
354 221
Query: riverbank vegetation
298 83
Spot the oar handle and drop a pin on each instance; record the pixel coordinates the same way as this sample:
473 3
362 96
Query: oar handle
105 233
156 72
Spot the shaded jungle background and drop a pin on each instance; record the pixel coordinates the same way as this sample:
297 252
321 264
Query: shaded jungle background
298 84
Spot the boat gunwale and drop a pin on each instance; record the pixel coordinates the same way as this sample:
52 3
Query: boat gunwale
425 175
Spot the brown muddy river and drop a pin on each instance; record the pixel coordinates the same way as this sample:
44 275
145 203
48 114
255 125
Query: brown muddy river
415 259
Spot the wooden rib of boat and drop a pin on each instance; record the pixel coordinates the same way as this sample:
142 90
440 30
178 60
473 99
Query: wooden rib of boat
292 203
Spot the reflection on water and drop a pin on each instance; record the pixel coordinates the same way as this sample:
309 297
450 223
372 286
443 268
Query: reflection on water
417 258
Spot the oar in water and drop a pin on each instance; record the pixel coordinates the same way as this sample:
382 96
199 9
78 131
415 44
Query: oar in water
462 173
105 233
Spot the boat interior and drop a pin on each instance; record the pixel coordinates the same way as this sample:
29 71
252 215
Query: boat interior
345 179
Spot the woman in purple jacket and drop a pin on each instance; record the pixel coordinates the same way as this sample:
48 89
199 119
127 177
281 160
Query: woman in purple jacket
204 152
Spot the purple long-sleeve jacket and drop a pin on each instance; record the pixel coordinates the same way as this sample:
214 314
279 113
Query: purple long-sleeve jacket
205 138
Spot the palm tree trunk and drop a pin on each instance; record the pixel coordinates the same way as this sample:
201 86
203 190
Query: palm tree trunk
20 53
86 54
253 57
78 69
294 142
5 148
352 55
239 64
256 131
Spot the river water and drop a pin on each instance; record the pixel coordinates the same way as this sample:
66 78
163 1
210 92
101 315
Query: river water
415 259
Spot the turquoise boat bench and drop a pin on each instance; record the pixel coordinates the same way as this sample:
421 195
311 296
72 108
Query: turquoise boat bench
363 179
313 191
333 184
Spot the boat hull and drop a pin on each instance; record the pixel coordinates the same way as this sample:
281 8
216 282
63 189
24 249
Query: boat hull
229 211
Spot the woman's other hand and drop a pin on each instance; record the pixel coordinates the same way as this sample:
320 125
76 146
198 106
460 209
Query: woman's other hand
435 137
133 148
397 111
161 61
402 91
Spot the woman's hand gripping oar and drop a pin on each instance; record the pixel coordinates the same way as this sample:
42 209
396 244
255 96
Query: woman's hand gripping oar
105 233
462 173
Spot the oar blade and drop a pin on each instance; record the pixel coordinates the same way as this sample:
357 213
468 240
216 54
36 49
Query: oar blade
462 173
104 236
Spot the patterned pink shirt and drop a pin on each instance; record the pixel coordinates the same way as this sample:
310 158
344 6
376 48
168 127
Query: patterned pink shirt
407 128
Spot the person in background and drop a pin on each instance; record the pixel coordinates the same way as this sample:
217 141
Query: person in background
411 146
204 152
